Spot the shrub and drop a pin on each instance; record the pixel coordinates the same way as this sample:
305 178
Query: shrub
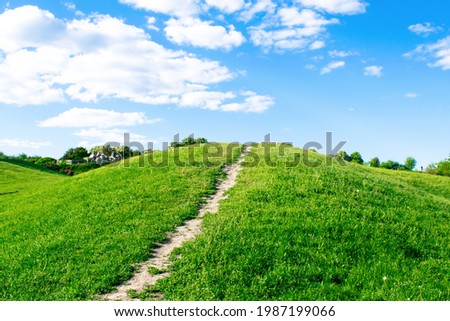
343 155
374 162
357 158
443 167
76 153
390 164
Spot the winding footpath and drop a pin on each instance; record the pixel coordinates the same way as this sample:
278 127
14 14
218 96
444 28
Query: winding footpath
188 231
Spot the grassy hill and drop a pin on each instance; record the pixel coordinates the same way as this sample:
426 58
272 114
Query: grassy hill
284 233
20 176
72 238
324 233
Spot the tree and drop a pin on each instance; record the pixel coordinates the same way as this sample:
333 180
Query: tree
343 155
410 163
443 167
76 153
375 162
390 164
103 149
188 141
357 158
201 140
2 155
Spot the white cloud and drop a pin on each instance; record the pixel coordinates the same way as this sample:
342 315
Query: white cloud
228 6
424 29
439 51
47 60
331 66
411 95
317 45
99 118
205 99
95 137
294 30
252 9
193 31
292 17
151 23
341 54
253 103
349 7
180 8
23 143
216 101
375 71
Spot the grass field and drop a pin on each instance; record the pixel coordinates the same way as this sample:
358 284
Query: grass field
72 238
336 233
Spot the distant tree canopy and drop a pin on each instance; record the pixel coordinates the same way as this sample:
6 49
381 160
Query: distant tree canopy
410 163
108 150
374 162
343 155
75 153
357 158
189 141
390 164
442 168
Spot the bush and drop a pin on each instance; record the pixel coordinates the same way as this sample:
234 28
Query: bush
343 155
443 168
390 164
357 158
374 162
189 141
76 153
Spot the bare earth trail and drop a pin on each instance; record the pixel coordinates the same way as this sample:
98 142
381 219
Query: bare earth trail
183 233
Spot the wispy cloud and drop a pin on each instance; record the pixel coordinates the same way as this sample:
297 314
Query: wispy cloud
99 118
332 66
439 52
23 143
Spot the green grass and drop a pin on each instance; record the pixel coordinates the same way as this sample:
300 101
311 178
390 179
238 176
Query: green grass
325 233
18 177
74 238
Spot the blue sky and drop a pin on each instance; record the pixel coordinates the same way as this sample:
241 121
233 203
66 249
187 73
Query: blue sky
375 73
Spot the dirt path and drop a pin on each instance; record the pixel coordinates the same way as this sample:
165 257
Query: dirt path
186 232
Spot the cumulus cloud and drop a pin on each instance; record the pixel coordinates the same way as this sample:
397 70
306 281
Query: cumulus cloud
332 66
99 118
23 143
424 29
375 71
439 52
296 29
348 7
261 6
47 60
228 6
317 45
193 31
253 103
180 8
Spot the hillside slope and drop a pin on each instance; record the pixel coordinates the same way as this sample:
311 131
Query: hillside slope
80 237
320 233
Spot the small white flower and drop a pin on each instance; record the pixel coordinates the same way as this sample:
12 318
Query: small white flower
384 278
